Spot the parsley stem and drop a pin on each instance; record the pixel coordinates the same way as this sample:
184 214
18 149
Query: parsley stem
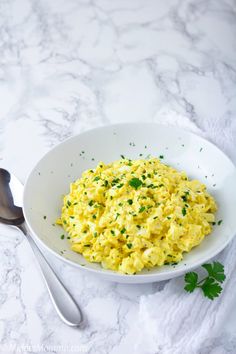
201 281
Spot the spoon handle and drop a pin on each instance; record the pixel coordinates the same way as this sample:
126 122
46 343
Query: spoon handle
64 304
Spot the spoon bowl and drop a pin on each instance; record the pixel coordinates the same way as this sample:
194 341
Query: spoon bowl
11 193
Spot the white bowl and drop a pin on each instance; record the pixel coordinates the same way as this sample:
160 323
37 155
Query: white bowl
51 177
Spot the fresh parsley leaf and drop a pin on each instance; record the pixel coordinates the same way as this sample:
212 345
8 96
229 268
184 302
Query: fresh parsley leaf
215 271
211 284
135 183
211 288
129 245
130 201
191 280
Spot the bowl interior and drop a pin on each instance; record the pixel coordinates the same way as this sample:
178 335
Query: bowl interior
50 180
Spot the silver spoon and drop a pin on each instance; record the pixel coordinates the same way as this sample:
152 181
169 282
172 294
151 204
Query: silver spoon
11 192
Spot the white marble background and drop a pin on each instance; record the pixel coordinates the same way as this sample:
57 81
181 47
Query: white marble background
67 66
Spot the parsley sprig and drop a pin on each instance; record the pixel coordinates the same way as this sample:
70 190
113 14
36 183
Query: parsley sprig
211 284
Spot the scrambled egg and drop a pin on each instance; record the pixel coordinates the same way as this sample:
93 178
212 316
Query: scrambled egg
132 214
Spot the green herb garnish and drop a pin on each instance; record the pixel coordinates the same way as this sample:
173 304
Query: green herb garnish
184 211
96 178
141 209
135 183
130 201
210 285
91 203
123 231
219 222
62 237
116 180
161 157
129 245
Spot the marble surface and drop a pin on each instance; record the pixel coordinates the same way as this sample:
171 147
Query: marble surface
67 66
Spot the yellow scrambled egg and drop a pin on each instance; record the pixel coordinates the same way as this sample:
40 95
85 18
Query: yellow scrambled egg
132 214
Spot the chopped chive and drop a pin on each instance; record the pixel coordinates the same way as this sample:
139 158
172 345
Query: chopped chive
117 215
141 209
62 237
130 201
184 211
123 231
45 217
161 157
115 181
219 222
129 245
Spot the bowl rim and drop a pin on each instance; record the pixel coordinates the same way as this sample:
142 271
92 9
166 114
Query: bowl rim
109 274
